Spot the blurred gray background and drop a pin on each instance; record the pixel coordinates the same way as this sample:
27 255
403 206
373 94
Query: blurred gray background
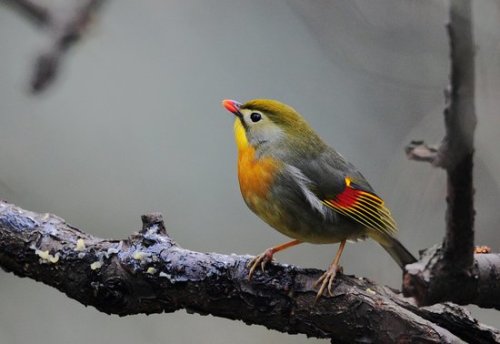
134 124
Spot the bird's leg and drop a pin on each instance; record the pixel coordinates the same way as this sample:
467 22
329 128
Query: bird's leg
327 278
267 256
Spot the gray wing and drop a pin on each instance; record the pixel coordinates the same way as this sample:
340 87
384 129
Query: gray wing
328 171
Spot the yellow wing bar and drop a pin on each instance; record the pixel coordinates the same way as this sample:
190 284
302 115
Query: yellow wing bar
363 207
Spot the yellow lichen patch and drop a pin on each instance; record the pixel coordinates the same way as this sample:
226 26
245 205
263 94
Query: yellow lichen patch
80 245
371 291
151 270
46 257
43 254
139 255
45 217
96 265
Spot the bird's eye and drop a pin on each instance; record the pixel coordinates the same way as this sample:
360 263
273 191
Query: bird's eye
255 116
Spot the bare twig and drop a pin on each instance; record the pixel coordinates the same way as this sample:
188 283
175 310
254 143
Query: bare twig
149 273
420 151
34 11
454 263
66 28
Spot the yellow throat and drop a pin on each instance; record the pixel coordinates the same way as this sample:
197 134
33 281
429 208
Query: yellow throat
239 135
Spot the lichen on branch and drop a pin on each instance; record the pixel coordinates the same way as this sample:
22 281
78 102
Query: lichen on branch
149 273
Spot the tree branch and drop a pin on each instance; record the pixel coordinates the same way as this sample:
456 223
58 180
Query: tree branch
66 28
480 287
32 10
419 151
150 273
457 150
435 278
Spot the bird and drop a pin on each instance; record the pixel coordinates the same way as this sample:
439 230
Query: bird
303 188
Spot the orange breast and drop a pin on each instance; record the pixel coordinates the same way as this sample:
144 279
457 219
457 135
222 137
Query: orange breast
255 175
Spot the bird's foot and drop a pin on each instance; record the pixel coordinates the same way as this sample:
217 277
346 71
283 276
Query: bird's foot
262 259
326 280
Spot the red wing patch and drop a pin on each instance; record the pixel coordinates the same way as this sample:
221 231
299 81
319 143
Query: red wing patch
363 207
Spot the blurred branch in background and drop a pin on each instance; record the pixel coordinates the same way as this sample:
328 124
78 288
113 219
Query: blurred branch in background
441 269
32 10
66 26
149 273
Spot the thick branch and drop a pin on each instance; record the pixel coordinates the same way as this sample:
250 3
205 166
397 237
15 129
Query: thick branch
457 150
454 262
149 273
481 286
66 28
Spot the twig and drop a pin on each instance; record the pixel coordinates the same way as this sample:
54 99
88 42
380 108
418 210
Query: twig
34 11
66 29
150 273
420 151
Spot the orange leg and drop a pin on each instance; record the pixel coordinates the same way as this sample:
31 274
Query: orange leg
267 256
327 278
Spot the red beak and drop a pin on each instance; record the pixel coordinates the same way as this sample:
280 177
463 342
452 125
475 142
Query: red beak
232 106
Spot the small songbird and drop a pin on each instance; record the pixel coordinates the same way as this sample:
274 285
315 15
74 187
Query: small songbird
303 188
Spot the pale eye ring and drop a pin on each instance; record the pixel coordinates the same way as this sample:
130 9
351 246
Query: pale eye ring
255 117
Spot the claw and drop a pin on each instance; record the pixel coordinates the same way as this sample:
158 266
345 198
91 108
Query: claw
262 259
327 278
267 256
326 281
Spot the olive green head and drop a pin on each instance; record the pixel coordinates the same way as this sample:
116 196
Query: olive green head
270 124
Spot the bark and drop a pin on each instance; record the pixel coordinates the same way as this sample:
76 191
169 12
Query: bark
436 276
480 286
149 273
